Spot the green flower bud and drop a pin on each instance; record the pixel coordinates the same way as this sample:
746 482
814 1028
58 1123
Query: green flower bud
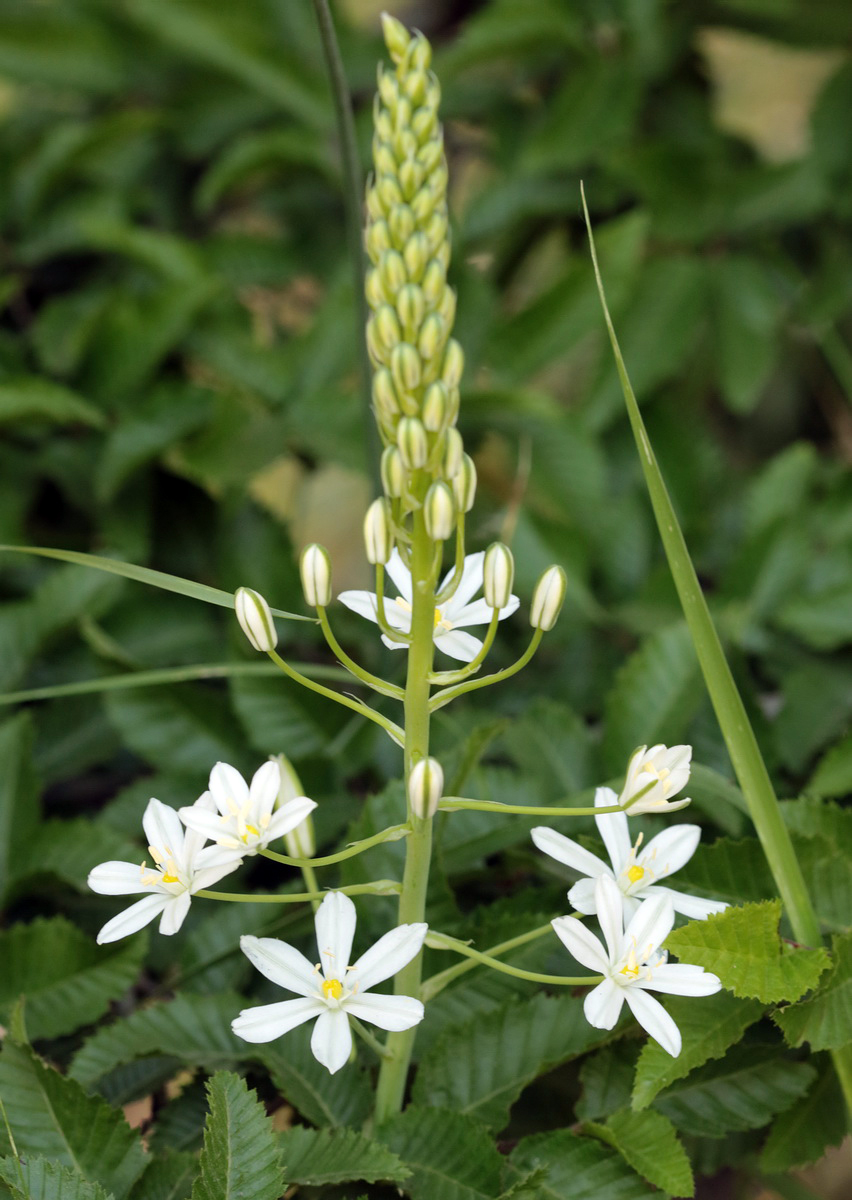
420 53
432 337
434 279
389 191
382 122
374 289
453 457
404 145
406 367
401 223
433 93
377 239
315 570
255 618
453 365
447 307
383 158
375 209
430 155
424 122
442 254
392 271
439 512
300 842
396 37
402 114
453 412
425 787
416 85
393 472
388 89
378 532
374 343
387 327
385 397
436 230
410 178
412 443
435 407
410 307
548 598
498 575
423 204
416 255
464 482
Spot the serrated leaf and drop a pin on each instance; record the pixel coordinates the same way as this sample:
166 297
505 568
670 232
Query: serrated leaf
240 1157
742 1091
169 1177
36 1178
527 1188
825 1019
342 1099
18 794
66 979
578 1167
648 1143
823 619
802 1133
742 946
607 1079
69 850
326 1156
481 1067
182 730
32 397
275 719
450 1155
833 774
50 1114
809 817
708 1029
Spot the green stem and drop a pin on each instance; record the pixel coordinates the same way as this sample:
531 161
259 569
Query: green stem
455 803
309 876
449 694
392 834
378 685
441 941
730 711
418 852
475 663
365 1035
357 706
378 887
449 588
387 629
436 983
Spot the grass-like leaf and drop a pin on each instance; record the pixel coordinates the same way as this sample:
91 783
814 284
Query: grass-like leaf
648 1142
578 1167
742 946
240 1157
825 1019
51 1115
450 1155
326 1156
37 1178
708 1026
67 980
18 795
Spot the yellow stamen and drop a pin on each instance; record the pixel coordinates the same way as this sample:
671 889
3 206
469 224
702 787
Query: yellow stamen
332 988
635 874
170 879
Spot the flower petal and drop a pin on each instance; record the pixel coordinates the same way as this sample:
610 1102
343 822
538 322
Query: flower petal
362 603
264 788
163 828
134 918
478 612
681 979
582 897
331 1041
602 1005
568 852
609 906
670 850
654 1019
613 829
206 824
174 914
470 582
267 1022
194 839
116 879
288 816
650 927
335 926
582 943
694 907
227 786
392 645
389 954
400 575
206 877
456 644
282 963
387 1012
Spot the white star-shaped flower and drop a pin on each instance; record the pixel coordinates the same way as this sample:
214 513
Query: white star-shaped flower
247 818
181 868
451 617
653 776
632 963
332 991
635 869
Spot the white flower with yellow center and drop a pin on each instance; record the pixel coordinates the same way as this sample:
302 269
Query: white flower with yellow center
635 869
248 819
632 964
332 991
180 867
653 776
456 614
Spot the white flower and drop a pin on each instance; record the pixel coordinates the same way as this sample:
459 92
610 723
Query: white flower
180 869
632 964
458 612
654 775
332 991
246 822
634 869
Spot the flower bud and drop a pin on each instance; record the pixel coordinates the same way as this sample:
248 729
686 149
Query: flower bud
387 327
255 619
415 85
464 482
412 443
383 126
431 154
453 459
401 223
377 239
375 211
402 115
299 842
435 407
396 37
653 776
548 598
404 145
424 202
434 280
389 191
420 53
447 307
315 570
416 255
425 787
453 366
410 178
432 337
410 306
498 575
374 289
378 532
383 157
384 395
423 123
388 88
406 367
437 229
392 271
393 472
439 512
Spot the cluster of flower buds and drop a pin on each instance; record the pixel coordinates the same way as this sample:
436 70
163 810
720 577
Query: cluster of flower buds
418 365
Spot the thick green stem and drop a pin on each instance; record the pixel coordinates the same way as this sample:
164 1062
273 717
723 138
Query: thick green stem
415 880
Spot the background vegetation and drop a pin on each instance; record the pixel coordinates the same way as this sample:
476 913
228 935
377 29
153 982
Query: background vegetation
179 387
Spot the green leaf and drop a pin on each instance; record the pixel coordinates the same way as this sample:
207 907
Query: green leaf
69 850
527 1188
822 619
169 1177
833 774
655 694
195 1029
450 1155
742 1091
36 1178
742 946
50 1114
824 1020
578 1167
746 313
66 979
326 1100
18 795
803 1132
170 583
648 1142
551 742
325 1156
481 1067
183 731
809 818
34 398
240 1156
708 1026
275 718
607 1079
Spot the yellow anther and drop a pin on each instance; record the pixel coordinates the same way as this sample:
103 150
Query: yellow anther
631 971
170 879
332 988
252 829
635 874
